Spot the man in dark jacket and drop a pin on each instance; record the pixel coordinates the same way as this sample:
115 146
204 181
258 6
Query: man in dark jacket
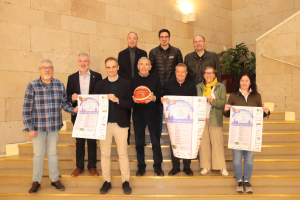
163 59
119 93
128 59
199 59
83 82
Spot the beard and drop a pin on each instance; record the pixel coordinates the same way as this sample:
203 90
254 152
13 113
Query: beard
47 76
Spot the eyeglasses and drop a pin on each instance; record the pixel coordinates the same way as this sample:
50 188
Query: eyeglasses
209 73
46 68
200 41
163 37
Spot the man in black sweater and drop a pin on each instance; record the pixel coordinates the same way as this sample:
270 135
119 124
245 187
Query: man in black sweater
147 114
119 92
128 59
180 87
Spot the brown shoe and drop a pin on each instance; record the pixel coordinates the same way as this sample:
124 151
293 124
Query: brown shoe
93 172
77 172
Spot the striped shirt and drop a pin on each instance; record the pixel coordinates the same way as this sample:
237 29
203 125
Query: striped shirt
42 106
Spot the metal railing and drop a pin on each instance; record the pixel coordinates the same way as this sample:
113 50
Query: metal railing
279 60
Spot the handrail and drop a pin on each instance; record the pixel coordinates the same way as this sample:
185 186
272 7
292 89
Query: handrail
279 60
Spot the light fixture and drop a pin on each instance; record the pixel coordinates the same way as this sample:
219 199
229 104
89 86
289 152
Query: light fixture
187 8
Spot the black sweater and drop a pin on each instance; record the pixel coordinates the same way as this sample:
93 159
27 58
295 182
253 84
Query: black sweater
153 83
187 88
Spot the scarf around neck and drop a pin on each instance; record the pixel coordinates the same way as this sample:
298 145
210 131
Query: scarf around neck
207 87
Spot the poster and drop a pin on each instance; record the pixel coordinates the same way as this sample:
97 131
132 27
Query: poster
245 128
91 120
185 117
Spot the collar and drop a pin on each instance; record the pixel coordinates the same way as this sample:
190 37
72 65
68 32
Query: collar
204 55
242 93
88 72
114 80
131 49
41 81
168 49
144 76
175 80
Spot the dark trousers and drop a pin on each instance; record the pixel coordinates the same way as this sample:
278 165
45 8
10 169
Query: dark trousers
80 151
176 161
139 122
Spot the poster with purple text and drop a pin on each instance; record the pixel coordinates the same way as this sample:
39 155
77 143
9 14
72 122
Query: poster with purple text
245 128
185 117
91 120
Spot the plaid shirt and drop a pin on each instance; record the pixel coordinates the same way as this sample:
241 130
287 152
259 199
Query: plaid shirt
42 107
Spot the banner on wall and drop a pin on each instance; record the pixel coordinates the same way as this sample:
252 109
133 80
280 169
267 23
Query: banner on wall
185 118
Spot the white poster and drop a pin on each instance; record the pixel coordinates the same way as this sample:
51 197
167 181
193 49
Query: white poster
185 117
245 128
91 120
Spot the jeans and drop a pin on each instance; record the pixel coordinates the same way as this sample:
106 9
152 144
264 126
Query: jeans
51 139
139 123
237 164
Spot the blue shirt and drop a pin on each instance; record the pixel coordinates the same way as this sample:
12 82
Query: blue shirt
42 106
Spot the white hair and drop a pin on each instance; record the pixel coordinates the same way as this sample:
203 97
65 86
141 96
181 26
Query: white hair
84 54
143 58
45 61
181 65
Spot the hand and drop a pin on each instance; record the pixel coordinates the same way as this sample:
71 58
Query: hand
32 134
266 110
209 98
162 99
151 98
76 109
113 98
134 99
74 97
227 107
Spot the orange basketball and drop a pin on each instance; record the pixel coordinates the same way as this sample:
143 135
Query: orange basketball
142 93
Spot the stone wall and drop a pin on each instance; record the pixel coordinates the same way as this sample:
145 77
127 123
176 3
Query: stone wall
252 18
31 30
279 82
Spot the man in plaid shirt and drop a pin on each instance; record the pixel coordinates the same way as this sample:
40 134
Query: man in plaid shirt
44 99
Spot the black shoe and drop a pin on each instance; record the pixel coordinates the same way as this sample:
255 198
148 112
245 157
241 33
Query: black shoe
105 187
57 185
174 171
34 188
126 188
159 172
188 171
140 172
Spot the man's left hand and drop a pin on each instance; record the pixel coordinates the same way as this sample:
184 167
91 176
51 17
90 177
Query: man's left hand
113 98
76 109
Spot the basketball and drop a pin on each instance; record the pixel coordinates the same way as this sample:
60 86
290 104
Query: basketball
141 94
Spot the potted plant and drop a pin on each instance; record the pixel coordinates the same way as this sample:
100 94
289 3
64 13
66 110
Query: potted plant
233 61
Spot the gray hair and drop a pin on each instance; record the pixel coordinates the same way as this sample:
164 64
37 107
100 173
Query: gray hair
45 61
84 54
181 65
144 58
134 33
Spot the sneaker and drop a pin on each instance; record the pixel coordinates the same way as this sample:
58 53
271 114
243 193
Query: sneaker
224 172
140 172
105 187
57 185
174 171
126 188
34 188
159 172
204 171
248 187
239 188
188 171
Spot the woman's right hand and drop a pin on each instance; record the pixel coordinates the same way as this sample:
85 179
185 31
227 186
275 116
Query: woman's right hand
227 107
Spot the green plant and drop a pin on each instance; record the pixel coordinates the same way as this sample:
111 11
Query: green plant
235 60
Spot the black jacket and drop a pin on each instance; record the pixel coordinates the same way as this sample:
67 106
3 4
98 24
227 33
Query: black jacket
73 86
125 63
124 93
196 65
163 65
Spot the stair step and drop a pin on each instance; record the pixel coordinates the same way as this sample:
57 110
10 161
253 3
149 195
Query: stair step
69 148
76 193
68 162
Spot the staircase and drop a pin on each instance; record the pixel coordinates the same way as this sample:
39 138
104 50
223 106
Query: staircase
276 173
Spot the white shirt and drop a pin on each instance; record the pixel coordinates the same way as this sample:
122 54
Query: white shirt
246 96
84 82
208 106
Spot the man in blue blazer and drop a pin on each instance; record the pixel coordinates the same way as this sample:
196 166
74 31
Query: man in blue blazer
83 82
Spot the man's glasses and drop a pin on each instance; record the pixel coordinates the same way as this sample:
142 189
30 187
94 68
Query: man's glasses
46 68
163 37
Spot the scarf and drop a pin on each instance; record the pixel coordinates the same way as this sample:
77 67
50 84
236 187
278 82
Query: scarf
207 87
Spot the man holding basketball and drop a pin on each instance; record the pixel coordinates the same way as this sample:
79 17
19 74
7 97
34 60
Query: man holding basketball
119 92
180 87
147 113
